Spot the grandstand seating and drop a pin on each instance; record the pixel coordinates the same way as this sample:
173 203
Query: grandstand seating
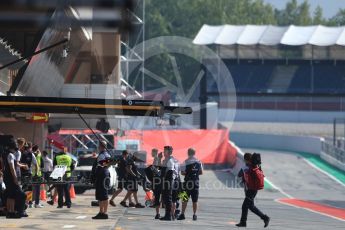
256 78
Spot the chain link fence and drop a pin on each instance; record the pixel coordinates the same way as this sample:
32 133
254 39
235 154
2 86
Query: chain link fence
335 148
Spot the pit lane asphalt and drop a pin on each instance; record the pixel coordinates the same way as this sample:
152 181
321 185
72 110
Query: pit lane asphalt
220 204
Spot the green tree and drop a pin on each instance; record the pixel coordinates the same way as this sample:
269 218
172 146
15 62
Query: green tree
288 15
294 14
338 19
318 18
303 14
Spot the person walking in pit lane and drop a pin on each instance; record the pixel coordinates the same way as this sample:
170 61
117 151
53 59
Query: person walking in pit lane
121 178
254 181
132 181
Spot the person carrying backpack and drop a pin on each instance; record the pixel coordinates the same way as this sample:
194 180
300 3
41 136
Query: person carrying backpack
191 169
254 181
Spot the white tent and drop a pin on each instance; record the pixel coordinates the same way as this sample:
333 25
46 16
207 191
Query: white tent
270 35
269 42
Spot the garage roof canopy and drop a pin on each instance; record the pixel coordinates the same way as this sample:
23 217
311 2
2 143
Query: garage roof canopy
270 35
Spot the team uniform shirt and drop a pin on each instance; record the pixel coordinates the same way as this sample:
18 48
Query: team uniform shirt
177 170
102 177
191 168
11 159
48 165
17 156
9 162
172 165
25 159
103 156
121 168
131 162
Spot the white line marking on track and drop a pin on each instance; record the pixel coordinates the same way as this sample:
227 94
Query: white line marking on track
239 150
68 226
279 189
81 217
289 196
324 172
310 210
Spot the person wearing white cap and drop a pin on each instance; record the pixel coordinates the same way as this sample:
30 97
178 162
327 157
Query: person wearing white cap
102 181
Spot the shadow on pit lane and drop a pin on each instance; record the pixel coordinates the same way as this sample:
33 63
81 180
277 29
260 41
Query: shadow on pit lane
228 179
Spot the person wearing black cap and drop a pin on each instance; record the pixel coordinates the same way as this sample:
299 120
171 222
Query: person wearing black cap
102 181
250 191
168 179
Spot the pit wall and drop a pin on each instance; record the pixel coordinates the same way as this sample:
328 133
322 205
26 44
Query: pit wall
258 115
311 145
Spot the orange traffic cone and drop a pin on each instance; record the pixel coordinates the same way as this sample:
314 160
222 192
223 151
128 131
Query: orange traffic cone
72 192
43 193
149 195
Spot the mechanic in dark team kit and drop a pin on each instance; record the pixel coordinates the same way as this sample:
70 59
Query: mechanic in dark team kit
102 181
168 176
121 178
192 168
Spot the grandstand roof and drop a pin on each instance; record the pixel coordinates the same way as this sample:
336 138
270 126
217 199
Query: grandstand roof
270 35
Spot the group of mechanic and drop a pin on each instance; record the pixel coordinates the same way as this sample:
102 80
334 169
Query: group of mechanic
168 186
21 163
22 169
164 180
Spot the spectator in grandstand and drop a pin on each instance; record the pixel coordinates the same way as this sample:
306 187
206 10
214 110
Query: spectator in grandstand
192 168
